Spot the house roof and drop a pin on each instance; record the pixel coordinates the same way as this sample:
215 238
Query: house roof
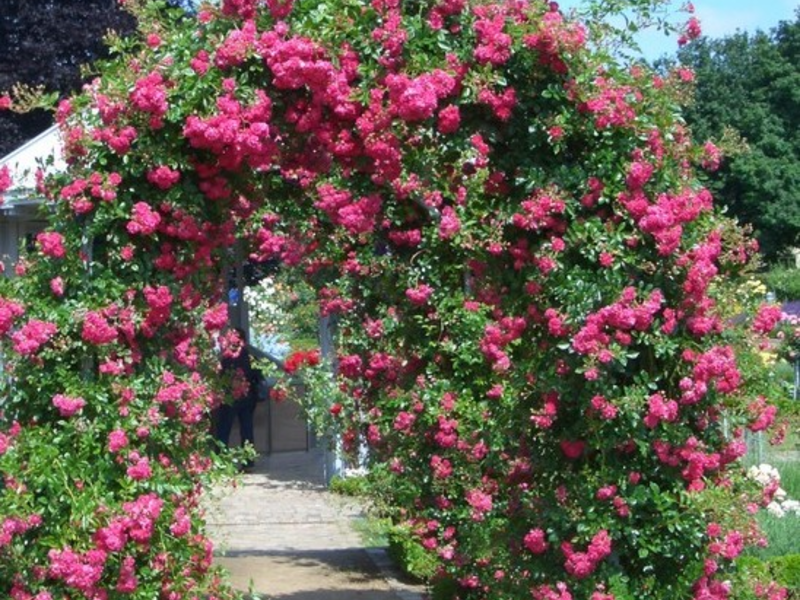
25 160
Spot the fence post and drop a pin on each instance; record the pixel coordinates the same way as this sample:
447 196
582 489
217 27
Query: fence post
333 462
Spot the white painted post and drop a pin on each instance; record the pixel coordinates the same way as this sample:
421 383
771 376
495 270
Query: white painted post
333 463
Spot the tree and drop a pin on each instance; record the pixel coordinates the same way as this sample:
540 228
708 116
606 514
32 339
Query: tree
46 44
748 85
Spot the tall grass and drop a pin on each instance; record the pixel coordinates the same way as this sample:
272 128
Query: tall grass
790 478
782 535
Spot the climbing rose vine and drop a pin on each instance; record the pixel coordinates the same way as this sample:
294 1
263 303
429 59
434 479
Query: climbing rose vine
529 280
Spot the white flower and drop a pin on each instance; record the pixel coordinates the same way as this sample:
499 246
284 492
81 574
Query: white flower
775 509
354 472
764 474
791 506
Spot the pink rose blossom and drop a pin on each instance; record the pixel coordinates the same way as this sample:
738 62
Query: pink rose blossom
127 581
163 177
32 336
420 294
181 522
117 440
5 175
96 329
144 220
57 286
67 405
481 503
536 541
215 318
52 244
572 449
449 119
9 311
450 224
767 317
441 467
139 468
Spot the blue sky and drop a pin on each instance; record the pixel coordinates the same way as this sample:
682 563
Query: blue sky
718 18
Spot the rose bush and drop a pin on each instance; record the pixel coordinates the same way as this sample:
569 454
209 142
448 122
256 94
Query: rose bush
529 278
788 334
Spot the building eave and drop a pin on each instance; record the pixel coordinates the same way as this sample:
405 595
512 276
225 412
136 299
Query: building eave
43 150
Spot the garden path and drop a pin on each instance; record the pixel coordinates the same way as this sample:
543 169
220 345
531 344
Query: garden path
283 536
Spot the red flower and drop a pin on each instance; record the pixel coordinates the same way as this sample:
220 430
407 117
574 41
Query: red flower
420 294
9 311
299 359
96 329
32 336
572 449
535 541
163 177
5 180
144 220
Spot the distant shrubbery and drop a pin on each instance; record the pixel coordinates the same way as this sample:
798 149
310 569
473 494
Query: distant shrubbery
784 282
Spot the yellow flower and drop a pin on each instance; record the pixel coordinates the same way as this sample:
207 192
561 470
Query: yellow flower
768 358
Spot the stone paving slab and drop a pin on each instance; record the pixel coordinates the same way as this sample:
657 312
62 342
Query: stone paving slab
283 536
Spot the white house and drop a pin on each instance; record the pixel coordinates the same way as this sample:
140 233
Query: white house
20 218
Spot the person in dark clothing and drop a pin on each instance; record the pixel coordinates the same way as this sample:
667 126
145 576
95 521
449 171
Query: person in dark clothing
244 406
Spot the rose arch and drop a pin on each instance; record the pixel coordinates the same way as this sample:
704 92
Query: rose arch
536 332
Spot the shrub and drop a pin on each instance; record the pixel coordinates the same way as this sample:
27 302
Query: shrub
790 478
786 571
407 553
351 485
784 282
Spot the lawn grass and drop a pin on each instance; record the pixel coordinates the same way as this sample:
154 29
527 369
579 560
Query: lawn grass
373 531
782 534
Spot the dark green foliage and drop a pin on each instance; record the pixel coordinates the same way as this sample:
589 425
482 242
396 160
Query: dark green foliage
750 83
783 281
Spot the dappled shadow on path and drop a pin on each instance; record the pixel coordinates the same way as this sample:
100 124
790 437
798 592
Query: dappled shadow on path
337 574
334 595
